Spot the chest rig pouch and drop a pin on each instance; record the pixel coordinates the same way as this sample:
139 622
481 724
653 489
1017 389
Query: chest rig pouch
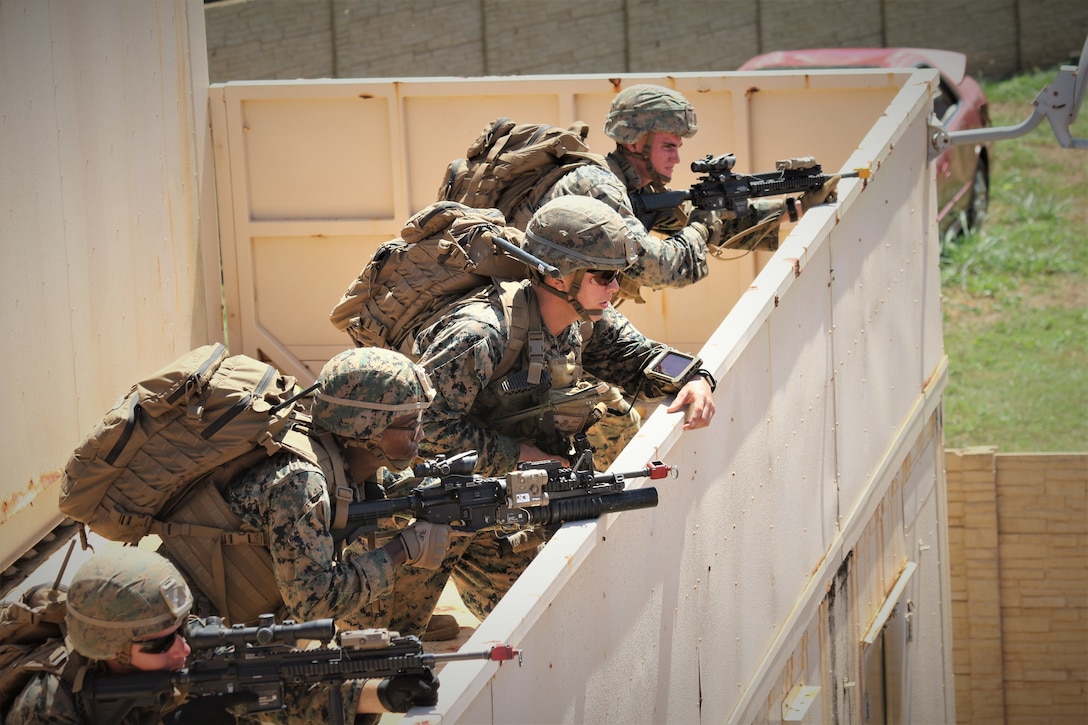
549 406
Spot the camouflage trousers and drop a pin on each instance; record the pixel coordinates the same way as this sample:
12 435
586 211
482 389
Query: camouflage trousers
613 432
481 570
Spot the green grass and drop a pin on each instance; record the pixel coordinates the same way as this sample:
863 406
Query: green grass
1016 292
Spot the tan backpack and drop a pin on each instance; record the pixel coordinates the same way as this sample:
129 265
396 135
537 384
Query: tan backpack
446 254
31 639
511 165
155 463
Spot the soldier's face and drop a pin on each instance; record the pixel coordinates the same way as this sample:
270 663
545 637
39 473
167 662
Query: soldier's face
664 155
166 650
400 439
597 291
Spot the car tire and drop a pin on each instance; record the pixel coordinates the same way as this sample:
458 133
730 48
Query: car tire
980 195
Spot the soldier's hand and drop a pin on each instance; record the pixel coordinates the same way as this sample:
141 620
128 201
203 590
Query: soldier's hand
529 452
712 219
425 544
697 401
826 194
403 692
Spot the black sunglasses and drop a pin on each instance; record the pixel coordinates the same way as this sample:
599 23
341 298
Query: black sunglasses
603 277
160 645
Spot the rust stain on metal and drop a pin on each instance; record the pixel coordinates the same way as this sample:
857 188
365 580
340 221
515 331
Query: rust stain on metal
776 300
796 263
752 90
21 498
617 83
366 96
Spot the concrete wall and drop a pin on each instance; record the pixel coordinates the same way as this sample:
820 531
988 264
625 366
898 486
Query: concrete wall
1018 527
285 39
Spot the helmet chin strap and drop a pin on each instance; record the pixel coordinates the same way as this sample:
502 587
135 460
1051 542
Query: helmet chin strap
645 156
569 296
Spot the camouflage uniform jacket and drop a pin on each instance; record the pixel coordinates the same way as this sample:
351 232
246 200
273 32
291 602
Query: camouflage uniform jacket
460 353
674 260
286 498
48 699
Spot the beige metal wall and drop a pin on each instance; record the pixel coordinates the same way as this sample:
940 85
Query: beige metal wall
798 512
103 140
813 504
313 175
818 488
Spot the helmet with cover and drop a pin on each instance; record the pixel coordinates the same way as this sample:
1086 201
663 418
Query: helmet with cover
578 233
644 108
120 596
362 390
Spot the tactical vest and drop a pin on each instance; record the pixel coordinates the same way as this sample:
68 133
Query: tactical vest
540 398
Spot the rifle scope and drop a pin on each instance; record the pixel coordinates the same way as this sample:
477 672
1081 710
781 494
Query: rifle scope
214 633
714 164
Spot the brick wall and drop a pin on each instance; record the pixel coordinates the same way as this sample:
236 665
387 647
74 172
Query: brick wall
284 39
1018 531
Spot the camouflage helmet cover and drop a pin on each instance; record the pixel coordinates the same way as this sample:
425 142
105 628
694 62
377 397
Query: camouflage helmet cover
122 595
644 108
580 233
362 390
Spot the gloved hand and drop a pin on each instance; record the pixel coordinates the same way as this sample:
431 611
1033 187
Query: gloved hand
210 710
712 219
426 544
403 692
826 194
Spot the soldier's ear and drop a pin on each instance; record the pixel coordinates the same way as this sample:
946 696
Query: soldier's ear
562 284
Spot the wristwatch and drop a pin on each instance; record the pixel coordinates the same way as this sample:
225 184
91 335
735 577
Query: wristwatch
705 374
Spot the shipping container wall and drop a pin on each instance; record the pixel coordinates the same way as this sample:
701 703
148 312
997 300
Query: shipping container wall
779 557
313 175
104 140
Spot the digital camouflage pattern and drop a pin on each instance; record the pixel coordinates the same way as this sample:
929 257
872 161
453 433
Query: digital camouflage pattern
645 108
674 261
120 595
286 498
577 233
48 698
362 390
461 352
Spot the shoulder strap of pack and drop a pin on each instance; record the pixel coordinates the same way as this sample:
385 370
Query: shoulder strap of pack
320 448
523 318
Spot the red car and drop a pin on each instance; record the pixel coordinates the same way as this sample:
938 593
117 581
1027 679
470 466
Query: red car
963 170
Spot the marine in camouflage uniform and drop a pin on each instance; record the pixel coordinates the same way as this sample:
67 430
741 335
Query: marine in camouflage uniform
361 392
588 242
116 599
677 256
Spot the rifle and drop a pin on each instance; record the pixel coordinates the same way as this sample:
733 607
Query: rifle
719 188
539 492
262 659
